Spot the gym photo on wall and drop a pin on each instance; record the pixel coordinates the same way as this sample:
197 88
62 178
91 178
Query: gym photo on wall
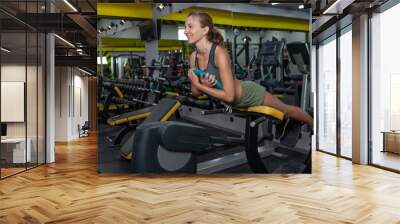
202 88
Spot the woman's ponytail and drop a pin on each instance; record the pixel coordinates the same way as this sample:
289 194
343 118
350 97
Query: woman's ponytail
215 36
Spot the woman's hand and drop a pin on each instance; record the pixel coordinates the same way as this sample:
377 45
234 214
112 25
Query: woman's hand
194 79
209 80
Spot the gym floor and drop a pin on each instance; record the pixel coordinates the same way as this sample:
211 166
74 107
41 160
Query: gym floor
71 191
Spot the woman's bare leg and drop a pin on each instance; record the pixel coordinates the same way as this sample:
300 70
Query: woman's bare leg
289 110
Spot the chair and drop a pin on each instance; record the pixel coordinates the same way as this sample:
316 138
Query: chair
84 130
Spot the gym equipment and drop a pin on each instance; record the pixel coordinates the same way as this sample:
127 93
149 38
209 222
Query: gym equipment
167 105
270 58
247 71
300 55
160 113
117 98
238 70
201 74
174 146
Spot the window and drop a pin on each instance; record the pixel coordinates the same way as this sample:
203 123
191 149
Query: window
346 93
327 96
385 85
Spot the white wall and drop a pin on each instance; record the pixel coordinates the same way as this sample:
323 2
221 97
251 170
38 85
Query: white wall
33 126
61 103
71 102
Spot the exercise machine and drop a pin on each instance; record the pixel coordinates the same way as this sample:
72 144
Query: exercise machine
175 146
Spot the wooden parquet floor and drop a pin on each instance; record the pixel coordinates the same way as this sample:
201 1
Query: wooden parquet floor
71 191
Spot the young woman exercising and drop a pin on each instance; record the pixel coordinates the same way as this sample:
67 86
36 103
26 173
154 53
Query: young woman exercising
211 56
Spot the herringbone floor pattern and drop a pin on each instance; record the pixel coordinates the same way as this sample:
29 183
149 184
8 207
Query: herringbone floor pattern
71 191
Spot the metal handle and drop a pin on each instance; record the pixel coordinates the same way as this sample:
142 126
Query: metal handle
217 111
257 121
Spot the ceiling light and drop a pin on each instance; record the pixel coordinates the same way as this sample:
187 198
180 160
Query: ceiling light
65 41
301 6
274 3
338 6
70 5
5 50
86 72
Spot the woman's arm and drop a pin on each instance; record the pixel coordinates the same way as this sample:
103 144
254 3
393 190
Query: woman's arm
195 92
227 94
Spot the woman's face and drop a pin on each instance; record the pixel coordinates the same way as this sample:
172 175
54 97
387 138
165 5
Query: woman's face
193 30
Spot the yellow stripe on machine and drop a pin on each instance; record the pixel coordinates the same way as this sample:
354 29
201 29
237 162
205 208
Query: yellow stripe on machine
171 93
118 91
235 19
202 97
127 119
220 17
125 10
172 111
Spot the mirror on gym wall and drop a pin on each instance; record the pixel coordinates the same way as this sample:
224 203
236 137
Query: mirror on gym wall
203 88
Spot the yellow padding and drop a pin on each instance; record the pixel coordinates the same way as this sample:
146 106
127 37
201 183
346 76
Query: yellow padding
127 119
268 111
172 111
118 91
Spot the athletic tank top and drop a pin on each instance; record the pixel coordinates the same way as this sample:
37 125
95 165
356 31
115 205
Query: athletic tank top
211 66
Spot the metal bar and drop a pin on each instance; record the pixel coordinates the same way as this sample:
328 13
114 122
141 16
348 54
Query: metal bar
252 155
226 162
37 92
369 79
338 98
0 94
317 97
25 89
